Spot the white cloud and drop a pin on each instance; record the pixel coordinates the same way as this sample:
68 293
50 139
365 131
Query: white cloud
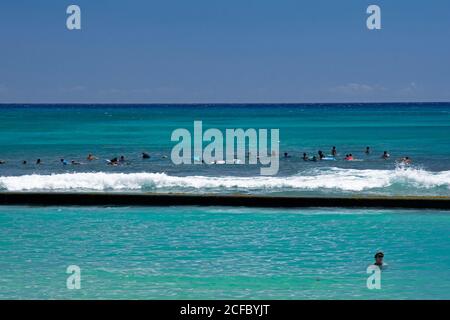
73 89
409 90
352 89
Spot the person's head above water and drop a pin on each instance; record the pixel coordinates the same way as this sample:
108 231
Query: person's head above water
379 258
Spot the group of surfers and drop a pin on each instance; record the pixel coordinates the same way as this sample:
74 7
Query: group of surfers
348 157
320 156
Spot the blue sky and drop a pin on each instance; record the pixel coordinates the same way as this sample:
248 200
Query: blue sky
180 51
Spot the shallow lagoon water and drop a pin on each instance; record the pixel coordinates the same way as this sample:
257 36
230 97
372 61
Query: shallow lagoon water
222 253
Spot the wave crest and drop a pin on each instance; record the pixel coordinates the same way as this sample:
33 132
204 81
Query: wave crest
350 180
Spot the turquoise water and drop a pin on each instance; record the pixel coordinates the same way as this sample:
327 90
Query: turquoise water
52 132
212 253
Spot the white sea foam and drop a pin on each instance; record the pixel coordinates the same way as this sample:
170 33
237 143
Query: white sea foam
321 179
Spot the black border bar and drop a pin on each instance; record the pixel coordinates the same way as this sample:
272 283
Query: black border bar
277 309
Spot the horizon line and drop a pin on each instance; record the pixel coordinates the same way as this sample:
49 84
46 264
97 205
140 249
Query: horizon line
219 103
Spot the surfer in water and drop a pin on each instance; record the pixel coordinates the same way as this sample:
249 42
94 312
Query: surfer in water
64 162
113 161
305 157
334 152
379 256
38 161
349 157
90 157
321 155
405 160
367 152
385 155
145 155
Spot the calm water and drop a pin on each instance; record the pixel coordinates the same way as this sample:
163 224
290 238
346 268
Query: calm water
209 253
420 131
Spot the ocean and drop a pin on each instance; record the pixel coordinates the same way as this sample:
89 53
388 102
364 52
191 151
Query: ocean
222 253
71 132
215 252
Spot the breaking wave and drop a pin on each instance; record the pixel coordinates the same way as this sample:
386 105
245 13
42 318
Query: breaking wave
400 180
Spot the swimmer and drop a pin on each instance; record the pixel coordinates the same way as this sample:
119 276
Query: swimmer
24 162
90 157
405 160
379 256
64 162
349 157
122 159
286 155
367 152
385 155
305 157
113 161
321 155
73 162
145 155
38 161
334 152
